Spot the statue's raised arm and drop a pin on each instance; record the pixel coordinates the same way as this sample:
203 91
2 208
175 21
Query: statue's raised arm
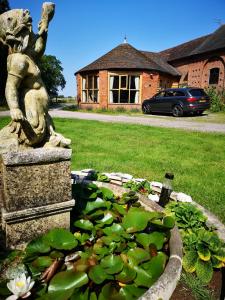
25 92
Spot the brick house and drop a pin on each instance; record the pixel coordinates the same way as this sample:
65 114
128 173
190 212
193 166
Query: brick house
125 76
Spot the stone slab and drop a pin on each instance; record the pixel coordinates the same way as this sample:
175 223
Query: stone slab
36 156
38 177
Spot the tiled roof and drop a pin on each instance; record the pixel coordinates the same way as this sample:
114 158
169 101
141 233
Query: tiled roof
204 44
126 56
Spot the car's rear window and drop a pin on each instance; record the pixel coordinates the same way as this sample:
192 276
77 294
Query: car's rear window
197 92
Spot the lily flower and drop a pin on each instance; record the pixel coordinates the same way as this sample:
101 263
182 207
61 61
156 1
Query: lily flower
20 287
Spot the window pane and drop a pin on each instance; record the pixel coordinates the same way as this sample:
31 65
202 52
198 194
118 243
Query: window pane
115 84
214 76
84 84
124 96
115 96
197 92
90 82
90 96
123 83
132 83
95 82
84 96
95 96
134 96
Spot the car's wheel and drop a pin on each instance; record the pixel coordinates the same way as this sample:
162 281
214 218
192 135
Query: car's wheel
177 111
146 108
199 112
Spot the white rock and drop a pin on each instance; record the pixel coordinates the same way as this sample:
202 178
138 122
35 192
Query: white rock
139 179
181 197
154 198
156 184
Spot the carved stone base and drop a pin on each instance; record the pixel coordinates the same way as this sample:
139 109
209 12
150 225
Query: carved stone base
35 194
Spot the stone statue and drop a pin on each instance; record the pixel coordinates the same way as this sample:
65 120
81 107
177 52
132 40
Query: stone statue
26 95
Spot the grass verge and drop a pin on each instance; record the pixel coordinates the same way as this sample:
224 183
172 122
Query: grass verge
196 159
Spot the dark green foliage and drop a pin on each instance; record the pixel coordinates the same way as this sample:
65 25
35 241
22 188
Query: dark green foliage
51 73
217 99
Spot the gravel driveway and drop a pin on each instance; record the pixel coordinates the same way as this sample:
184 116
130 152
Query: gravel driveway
148 120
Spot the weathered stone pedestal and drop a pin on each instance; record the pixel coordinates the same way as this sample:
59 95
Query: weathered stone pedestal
35 193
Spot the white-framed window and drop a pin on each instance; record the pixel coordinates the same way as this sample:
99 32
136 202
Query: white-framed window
124 88
90 88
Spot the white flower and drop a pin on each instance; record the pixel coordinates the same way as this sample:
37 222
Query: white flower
20 287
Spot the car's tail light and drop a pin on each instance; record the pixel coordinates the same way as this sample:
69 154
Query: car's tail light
192 99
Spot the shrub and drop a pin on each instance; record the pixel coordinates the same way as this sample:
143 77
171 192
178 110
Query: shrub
217 99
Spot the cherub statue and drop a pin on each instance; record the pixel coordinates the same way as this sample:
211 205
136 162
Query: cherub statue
26 95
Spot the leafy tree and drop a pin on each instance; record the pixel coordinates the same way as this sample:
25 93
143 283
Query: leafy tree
51 71
4 6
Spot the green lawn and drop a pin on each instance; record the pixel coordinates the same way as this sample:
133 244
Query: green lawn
196 159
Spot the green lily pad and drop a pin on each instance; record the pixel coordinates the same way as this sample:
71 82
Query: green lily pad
82 237
97 274
135 220
106 193
156 238
143 278
37 246
112 264
61 239
120 209
92 205
42 262
67 280
131 292
126 275
137 256
56 254
84 224
155 267
110 292
168 222
106 220
115 228
59 295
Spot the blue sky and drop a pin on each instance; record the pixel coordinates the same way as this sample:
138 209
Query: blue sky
82 31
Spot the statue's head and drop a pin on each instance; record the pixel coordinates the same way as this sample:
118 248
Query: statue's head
15 28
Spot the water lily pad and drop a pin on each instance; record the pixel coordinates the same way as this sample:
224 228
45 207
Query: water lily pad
137 256
84 224
61 239
106 220
67 280
42 262
37 246
82 237
126 275
156 238
59 295
168 222
120 209
112 264
135 220
143 278
106 193
97 274
131 292
110 292
92 205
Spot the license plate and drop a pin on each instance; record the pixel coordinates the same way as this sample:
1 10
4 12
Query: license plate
202 100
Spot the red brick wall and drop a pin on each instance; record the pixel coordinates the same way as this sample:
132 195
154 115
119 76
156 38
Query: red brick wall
198 70
150 84
103 88
79 87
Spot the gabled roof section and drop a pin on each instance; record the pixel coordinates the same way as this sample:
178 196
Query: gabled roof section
125 56
204 44
214 41
182 50
161 62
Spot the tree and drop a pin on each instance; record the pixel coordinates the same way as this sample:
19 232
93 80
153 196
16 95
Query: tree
4 6
51 72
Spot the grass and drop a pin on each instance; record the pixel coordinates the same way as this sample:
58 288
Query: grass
196 159
198 290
